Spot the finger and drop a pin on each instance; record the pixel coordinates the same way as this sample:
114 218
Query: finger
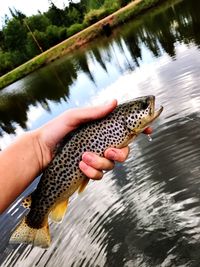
116 154
97 162
57 128
90 172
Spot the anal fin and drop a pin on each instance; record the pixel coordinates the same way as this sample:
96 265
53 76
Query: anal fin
83 185
58 212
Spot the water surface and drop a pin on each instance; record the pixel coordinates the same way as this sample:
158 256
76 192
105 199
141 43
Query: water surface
146 212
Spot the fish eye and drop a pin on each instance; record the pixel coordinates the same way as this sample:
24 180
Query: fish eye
144 104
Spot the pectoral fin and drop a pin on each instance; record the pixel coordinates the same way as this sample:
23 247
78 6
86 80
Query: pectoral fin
58 212
83 185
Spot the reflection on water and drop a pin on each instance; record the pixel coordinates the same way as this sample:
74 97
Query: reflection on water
146 212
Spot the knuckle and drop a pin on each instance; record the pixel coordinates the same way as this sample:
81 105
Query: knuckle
83 166
96 175
110 166
90 172
122 158
105 164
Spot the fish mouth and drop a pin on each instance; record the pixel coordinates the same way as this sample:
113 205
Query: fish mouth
157 112
148 102
152 112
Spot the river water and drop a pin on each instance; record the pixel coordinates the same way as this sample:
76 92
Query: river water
146 212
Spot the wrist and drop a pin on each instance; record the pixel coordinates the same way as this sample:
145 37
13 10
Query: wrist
43 152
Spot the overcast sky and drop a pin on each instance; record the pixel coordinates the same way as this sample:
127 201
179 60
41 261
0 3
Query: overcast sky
28 7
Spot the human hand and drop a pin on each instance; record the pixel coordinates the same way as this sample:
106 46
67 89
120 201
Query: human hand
32 152
49 135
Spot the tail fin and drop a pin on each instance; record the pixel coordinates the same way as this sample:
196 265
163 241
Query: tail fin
25 234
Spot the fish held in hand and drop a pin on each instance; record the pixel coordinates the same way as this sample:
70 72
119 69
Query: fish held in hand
63 176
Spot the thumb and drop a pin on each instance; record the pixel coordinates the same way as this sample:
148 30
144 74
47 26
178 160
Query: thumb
57 128
83 115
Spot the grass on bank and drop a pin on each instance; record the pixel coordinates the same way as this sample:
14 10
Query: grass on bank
86 35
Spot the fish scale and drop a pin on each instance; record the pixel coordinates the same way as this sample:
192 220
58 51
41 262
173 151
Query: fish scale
63 176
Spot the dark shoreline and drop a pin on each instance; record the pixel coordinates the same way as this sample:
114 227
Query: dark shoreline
102 27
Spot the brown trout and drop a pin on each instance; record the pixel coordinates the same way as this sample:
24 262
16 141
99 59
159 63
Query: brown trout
63 177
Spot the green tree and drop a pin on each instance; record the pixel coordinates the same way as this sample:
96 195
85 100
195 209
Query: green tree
38 22
32 48
55 34
74 29
123 2
56 15
2 40
74 13
6 62
10 60
94 4
17 14
112 5
15 35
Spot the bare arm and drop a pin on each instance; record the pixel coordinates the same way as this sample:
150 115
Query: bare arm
25 158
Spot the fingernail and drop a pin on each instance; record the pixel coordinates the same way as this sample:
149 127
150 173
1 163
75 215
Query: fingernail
83 166
87 158
112 155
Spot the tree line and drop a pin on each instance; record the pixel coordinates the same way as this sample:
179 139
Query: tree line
22 37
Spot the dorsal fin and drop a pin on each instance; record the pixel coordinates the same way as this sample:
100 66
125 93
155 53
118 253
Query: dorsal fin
83 185
58 212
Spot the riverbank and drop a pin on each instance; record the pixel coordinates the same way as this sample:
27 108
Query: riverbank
90 33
